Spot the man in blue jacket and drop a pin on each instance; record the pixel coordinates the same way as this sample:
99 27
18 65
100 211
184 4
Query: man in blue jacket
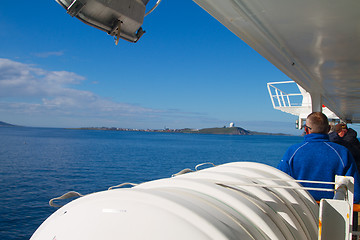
318 159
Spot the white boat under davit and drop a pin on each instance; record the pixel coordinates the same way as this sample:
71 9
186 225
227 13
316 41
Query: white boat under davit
240 200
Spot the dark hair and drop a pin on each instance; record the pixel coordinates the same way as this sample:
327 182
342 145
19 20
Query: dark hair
339 127
318 122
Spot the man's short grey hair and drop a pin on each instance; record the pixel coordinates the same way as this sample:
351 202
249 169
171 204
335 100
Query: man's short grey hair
318 122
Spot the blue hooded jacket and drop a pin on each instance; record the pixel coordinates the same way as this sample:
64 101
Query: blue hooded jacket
318 159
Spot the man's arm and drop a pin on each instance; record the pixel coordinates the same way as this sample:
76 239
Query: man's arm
284 164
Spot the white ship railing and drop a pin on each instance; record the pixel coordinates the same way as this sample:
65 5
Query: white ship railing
289 97
280 98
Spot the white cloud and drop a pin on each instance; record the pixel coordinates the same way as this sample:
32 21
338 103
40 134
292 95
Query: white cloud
49 54
28 91
51 87
18 79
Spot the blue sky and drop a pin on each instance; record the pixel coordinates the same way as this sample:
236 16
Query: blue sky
187 70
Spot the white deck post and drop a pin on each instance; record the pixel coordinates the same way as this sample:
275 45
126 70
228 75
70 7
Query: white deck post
316 102
336 215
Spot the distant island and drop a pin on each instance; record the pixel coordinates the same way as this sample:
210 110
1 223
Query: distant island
4 124
232 130
217 130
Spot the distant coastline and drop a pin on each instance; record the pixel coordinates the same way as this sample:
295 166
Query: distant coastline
4 124
216 130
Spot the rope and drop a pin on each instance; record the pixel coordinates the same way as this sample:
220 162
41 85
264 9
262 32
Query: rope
186 170
201 164
65 196
123 184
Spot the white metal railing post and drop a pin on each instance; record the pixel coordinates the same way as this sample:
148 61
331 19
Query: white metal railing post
345 186
270 93
336 215
348 182
282 98
277 96
287 96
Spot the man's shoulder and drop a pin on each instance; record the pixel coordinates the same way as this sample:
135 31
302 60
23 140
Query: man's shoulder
296 147
333 136
314 145
336 145
351 133
338 148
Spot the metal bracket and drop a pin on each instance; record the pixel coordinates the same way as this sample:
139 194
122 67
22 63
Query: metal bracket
116 30
75 7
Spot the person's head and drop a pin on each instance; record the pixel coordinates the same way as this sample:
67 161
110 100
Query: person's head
317 122
341 129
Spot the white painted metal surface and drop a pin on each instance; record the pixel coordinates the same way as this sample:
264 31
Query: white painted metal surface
336 215
315 43
196 205
296 101
121 19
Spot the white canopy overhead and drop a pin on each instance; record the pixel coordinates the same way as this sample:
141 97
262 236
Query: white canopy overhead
315 43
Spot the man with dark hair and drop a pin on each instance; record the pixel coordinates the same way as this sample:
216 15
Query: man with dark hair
348 138
344 133
318 159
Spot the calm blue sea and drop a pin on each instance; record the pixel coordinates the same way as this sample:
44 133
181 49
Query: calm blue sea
37 164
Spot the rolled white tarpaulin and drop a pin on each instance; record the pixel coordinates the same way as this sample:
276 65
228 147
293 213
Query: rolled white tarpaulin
222 202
